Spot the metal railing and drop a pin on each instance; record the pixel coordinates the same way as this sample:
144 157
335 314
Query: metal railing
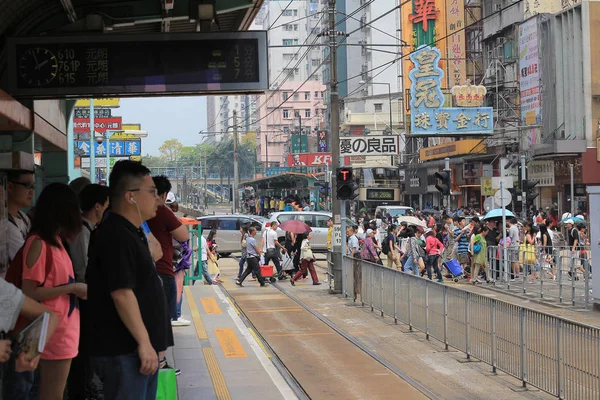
556 355
555 274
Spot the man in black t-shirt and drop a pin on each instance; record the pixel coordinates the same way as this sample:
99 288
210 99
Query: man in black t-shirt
128 324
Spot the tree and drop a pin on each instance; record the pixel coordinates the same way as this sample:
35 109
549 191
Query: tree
171 150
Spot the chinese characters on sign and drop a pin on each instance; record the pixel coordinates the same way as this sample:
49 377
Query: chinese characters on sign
98 113
118 148
299 144
541 172
82 125
530 75
428 116
455 22
369 146
322 141
423 12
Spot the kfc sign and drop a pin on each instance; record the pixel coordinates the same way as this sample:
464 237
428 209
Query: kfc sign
309 159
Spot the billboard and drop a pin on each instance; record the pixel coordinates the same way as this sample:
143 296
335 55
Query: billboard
106 102
386 145
82 125
429 117
457 52
529 73
118 148
309 159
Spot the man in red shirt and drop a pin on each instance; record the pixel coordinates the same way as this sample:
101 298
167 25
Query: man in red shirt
165 226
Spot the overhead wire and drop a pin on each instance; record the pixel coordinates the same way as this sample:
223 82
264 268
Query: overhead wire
280 14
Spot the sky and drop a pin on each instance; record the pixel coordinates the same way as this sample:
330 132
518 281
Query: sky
165 118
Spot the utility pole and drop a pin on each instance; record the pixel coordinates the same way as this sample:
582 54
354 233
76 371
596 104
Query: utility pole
447 168
338 206
234 193
205 180
523 192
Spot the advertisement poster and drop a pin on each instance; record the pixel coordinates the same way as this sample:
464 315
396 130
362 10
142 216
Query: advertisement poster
82 125
457 54
529 73
309 159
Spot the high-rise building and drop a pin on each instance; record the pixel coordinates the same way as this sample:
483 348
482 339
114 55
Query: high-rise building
220 115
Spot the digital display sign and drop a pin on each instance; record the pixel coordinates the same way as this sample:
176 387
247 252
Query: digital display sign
380 194
102 65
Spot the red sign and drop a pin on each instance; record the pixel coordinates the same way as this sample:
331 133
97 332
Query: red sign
424 11
82 125
309 159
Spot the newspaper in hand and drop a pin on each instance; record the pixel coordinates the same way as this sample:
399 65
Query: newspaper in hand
32 339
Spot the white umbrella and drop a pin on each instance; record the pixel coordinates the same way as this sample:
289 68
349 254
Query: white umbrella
410 220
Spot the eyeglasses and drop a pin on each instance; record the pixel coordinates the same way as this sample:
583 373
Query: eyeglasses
151 190
26 185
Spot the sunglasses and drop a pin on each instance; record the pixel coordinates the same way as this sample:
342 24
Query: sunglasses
26 185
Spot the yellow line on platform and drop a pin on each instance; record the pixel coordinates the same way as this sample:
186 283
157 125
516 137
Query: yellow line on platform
216 375
210 305
196 318
301 334
260 343
278 310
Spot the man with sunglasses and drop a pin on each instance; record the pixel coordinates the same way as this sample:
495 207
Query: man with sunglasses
20 191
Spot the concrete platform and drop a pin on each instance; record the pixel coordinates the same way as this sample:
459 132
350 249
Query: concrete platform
218 356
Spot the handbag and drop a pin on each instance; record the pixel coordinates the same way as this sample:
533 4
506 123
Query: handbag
167 385
527 253
307 254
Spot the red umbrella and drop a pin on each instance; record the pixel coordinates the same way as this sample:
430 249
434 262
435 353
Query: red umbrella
295 226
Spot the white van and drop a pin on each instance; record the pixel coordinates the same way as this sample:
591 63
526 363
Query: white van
394 211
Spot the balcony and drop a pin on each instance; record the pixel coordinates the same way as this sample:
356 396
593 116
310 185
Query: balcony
561 142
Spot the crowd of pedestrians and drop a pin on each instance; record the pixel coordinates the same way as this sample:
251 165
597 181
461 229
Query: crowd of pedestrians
107 264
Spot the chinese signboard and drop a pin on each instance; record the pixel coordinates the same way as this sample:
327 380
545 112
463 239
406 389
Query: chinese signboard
428 116
370 145
277 170
423 12
541 172
310 159
455 22
457 148
98 113
299 144
108 102
322 141
118 148
82 125
127 127
529 76
101 162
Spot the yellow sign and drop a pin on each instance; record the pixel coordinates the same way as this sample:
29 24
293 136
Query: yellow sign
456 148
127 127
231 346
111 103
210 305
487 189
136 158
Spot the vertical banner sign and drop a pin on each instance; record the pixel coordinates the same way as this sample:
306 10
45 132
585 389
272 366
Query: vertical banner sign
299 144
529 73
322 141
455 20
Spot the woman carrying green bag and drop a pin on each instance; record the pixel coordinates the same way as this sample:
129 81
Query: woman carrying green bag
480 252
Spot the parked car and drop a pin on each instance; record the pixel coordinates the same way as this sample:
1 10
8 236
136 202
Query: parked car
228 230
317 220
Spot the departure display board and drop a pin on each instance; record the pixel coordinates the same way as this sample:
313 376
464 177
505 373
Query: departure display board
90 66
380 194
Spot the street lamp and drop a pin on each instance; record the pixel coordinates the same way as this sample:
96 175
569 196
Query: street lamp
389 96
108 134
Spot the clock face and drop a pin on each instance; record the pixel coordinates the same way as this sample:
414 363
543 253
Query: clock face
38 66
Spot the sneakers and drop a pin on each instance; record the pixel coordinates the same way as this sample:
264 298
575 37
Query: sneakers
317 283
165 365
238 283
181 322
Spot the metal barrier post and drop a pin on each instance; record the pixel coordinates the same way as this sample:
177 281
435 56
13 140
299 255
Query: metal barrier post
446 317
395 300
409 304
381 291
493 323
427 310
522 345
371 282
586 263
560 276
467 323
525 269
573 276
542 272
560 360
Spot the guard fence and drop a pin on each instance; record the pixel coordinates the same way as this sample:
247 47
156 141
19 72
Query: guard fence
554 273
556 355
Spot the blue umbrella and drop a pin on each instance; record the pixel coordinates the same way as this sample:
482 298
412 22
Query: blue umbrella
576 220
497 213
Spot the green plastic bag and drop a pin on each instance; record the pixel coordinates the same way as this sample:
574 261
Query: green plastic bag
167 385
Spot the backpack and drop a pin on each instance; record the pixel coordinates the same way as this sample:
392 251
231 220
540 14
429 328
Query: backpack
385 245
14 274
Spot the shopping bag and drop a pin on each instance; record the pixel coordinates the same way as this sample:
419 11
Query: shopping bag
527 253
167 385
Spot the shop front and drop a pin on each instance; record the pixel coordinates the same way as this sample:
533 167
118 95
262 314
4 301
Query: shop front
562 177
542 172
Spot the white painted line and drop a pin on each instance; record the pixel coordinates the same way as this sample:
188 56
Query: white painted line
278 380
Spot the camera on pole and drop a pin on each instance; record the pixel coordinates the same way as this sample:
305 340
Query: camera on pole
446 182
347 189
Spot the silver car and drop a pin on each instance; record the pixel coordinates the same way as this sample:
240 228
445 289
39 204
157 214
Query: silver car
317 220
228 230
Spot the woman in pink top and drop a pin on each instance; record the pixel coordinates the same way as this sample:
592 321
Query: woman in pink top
57 217
433 249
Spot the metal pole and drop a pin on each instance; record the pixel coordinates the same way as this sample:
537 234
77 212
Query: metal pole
504 248
572 192
523 193
71 143
205 180
108 134
447 168
334 105
92 143
390 100
235 164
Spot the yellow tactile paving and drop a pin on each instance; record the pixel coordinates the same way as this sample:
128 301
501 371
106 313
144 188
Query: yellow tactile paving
231 346
198 324
216 375
210 305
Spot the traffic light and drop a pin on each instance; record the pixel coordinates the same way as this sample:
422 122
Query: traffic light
347 189
446 184
527 187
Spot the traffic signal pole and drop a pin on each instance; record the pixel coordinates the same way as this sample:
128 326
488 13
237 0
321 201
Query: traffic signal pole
338 206
523 189
447 168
